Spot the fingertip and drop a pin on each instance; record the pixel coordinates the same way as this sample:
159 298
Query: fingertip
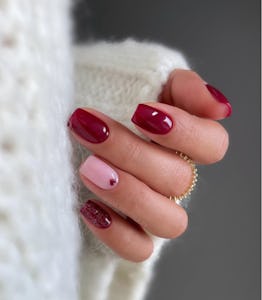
180 223
188 91
183 222
145 254
224 107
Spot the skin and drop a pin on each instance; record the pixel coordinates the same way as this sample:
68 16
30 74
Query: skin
196 133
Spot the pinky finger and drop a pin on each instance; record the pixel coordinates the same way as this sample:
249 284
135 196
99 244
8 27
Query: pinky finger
125 238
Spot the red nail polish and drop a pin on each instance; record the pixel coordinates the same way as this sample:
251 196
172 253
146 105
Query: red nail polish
219 97
95 214
88 126
152 119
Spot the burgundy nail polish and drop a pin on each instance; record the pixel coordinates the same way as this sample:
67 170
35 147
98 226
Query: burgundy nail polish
88 126
95 214
219 97
152 119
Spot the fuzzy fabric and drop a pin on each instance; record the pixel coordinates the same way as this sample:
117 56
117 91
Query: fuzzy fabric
114 78
39 232
44 253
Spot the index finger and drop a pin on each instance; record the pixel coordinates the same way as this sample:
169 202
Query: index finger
188 91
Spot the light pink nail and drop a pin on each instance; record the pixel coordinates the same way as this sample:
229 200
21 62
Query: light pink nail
98 172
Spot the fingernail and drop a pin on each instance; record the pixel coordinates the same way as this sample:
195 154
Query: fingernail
95 214
88 126
220 98
99 173
152 119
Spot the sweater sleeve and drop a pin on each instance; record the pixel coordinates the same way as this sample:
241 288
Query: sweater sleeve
114 78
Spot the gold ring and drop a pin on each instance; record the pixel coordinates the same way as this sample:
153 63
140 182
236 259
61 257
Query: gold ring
178 199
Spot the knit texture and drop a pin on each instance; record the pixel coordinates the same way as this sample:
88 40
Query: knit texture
114 78
39 234
41 253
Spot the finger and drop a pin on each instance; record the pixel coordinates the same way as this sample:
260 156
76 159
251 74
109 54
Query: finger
157 167
124 192
204 140
126 239
188 91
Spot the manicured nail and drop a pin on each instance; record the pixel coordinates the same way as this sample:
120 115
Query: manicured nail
98 172
88 126
95 214
220 98
152 119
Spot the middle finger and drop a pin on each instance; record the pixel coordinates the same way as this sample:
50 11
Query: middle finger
156 166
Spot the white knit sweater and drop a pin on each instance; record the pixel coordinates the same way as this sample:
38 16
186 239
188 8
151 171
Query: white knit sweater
45 252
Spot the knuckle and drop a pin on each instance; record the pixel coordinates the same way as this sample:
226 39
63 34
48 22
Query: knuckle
187 126
179 225
175 225
148 248
136 247
221 148
132 151
182 171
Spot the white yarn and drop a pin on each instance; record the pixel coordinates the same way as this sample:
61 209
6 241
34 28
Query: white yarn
122 74
39 233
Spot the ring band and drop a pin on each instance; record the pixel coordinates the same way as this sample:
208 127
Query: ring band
178 199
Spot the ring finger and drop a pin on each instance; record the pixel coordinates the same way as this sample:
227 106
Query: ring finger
133 198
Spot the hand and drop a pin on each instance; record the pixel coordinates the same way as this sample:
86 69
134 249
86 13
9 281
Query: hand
135 176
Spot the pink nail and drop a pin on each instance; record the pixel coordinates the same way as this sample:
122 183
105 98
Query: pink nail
99 173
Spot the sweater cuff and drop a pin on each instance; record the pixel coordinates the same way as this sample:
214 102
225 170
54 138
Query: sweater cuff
115 77
149 61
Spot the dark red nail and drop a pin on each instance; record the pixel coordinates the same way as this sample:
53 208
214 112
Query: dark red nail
88 126
219 97
152 119
95 214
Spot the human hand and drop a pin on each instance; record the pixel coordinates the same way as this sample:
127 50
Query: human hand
135 176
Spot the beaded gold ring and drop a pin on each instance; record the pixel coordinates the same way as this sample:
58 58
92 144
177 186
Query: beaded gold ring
178 199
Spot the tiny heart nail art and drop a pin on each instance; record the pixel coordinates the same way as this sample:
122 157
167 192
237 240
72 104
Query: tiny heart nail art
99 173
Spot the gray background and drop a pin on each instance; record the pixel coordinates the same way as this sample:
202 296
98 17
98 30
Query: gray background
218 258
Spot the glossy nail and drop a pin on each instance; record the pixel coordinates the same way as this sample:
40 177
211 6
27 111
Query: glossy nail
220 98
99 173
152 119
88 126
95 214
